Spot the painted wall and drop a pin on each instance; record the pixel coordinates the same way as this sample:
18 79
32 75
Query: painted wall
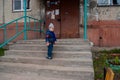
35 10
103 22
104 25
104 33
1 11
103 12
38 11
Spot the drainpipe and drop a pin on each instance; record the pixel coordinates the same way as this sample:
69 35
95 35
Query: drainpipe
85 19
25 19
3 11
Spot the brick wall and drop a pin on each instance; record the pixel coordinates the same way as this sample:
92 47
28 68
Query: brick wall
11 31
104 33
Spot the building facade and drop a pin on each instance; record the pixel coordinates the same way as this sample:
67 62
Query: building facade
103 18
104 22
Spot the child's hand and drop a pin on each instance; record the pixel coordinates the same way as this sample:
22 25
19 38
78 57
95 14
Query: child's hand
47 44
55 42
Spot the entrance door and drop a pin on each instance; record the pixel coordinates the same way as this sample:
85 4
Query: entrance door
53 15
64 15
70 18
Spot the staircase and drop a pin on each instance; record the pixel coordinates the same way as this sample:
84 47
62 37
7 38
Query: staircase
25 60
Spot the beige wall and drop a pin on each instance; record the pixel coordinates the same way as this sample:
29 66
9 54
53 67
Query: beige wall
104 13
34 12
109 13
1 11
38 11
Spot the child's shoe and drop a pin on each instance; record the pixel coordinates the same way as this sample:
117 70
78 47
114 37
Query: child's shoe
49 57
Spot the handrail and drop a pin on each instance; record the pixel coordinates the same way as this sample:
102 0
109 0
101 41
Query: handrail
11 22
35 24
34 18
37 28
6 42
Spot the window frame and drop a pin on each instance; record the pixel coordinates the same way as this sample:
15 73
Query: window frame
22 6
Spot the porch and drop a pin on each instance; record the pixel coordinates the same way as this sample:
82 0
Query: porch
31 28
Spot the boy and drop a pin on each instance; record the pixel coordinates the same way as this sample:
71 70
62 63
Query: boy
50 40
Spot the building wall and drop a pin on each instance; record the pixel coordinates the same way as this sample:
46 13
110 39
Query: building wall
104 12
10 14
103 22
109 13
1 11
37 11
104 33
104 25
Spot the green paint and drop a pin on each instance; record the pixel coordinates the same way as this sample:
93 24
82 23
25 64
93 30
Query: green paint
85 19
16 26
5 34
25 20
4 27
12 38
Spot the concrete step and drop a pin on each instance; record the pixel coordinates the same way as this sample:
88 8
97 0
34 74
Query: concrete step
57 54
26 60
51 71
58 42
29 76
56 47
43 61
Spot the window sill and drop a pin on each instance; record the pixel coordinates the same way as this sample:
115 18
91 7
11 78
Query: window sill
15 11
108 5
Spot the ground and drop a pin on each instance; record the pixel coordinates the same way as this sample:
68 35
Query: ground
100 58
1 51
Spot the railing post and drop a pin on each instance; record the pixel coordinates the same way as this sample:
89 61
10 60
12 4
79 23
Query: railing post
16 27
25 19
34 25
5 34
29 24
85 19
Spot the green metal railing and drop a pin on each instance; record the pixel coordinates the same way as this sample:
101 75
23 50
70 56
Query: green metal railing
15 28
85 19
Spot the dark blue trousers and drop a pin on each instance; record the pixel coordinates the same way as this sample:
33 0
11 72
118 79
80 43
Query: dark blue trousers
50 49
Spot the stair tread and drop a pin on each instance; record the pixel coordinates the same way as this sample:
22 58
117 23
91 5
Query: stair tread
49 67
60 42
26 61
58 59
10 76
65 52
75 39
54 45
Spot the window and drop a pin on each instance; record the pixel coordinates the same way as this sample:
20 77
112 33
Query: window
108 2
18 5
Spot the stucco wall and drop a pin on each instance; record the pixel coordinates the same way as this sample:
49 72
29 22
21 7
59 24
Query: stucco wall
10 14
1 11
104 12
38 9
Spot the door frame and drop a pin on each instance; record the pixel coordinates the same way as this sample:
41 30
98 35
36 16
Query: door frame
78 9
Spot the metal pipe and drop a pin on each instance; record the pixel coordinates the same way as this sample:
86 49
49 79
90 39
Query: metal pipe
85 19
25 19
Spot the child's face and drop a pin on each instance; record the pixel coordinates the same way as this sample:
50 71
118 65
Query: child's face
51 29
